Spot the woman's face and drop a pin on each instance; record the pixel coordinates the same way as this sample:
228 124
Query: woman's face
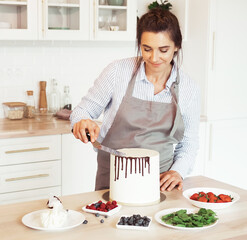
157 50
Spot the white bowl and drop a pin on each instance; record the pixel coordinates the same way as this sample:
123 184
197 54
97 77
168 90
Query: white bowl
5 25
187 194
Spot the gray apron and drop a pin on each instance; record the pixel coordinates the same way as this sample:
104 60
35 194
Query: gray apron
142 124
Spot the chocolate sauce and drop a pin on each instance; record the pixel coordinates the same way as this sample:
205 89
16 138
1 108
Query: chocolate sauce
143 161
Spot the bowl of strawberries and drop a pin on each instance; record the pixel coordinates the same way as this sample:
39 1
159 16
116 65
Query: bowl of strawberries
210 198
102 208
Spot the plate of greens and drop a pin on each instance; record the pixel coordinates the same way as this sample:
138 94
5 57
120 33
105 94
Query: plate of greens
187 218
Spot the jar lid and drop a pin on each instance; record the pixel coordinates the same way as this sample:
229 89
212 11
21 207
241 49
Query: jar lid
14 104
30 93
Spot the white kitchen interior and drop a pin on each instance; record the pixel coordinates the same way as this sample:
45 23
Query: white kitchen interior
214 55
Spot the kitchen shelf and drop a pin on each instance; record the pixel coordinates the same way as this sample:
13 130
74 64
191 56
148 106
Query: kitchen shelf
15 3
113 7
68 5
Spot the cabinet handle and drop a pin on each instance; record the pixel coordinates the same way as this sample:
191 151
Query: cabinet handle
94 19
43 17
213 51
27 150
26 177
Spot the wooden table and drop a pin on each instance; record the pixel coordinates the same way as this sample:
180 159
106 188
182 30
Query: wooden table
232 221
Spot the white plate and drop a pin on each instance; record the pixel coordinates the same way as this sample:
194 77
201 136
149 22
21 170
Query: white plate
110 213
32 220
129 227
187 194
160 214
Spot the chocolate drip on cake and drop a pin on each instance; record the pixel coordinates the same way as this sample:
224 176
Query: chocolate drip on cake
142 161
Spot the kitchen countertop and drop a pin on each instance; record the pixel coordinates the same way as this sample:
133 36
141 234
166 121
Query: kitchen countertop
231 225
33 127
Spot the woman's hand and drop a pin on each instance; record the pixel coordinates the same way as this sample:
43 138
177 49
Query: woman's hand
169 180
79 130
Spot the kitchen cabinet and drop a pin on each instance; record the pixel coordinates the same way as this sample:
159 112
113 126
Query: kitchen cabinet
215 57
79 165
211 59
18 19
199 167
30 168
66 20
227 152
63 20
114 22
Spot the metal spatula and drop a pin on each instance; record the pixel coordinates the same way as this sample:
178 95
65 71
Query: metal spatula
96 144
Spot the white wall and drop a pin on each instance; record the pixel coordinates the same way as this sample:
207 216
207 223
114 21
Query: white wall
24 63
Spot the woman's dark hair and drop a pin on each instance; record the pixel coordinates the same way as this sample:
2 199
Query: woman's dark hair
158 20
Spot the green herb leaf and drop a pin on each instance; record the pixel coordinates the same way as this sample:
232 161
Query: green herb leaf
181 218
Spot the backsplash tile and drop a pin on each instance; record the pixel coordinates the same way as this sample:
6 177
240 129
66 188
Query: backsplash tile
23 64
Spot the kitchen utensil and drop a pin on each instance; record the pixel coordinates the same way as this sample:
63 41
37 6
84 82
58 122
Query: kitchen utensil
96 144
42 97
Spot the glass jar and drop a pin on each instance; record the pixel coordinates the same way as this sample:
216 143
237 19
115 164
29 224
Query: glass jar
67 103
54 97
30 105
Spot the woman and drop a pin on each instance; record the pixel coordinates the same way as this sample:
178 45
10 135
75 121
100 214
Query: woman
147 102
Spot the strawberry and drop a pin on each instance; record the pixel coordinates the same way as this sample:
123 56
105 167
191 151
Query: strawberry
202 199
195 196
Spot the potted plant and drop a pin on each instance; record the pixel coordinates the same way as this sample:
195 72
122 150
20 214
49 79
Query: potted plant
164 4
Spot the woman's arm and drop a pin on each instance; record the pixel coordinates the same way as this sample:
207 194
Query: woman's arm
93 104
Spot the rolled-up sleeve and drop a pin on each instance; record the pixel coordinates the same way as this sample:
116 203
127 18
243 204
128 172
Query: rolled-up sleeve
97 98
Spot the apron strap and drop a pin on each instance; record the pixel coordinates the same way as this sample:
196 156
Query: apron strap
175 97
132 81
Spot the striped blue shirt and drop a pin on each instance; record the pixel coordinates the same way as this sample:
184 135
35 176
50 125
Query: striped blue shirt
110 87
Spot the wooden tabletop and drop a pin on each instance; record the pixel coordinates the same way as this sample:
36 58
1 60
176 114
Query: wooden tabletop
32 127
232 221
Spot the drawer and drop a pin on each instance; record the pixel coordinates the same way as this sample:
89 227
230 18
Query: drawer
30 149
43 193
30 176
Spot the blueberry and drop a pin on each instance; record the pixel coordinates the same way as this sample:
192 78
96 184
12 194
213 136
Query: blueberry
85 222
102 220
96 214
106 216
131 221
140 221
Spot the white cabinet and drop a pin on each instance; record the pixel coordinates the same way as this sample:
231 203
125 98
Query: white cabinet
30 168
66 20
215 57
227 152
113 22
79 166
226 95
63 20
199 167
18 19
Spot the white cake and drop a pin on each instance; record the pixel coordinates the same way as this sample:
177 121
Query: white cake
135 179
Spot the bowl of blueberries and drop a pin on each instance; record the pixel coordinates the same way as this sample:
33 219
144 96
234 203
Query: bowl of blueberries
134 222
